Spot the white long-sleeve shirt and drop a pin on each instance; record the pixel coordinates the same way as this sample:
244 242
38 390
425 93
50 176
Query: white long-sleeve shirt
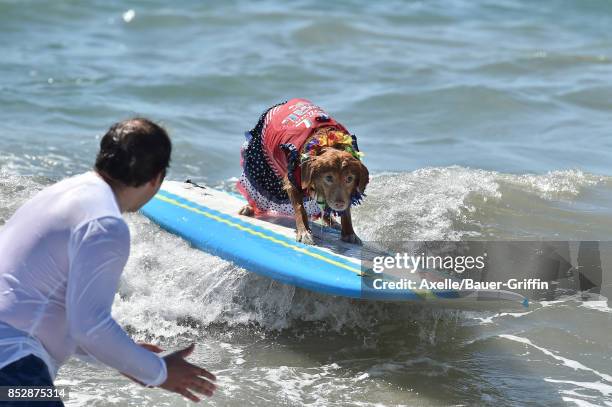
61 257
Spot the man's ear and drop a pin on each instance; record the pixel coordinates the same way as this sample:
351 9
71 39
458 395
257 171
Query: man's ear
364 178
158 179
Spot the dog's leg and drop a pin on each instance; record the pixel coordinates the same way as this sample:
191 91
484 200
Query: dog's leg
246 210
347 232
302 229
329 221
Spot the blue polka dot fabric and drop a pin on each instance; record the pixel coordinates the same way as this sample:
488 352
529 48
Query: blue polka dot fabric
259 182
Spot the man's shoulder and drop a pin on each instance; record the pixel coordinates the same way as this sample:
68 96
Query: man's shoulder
109 225
89 198
108 231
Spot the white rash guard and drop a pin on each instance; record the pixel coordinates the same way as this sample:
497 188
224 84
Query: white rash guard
61 256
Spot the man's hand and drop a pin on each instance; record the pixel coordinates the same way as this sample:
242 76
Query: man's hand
152 347
185 378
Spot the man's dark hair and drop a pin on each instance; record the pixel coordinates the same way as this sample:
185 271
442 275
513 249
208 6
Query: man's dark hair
134 151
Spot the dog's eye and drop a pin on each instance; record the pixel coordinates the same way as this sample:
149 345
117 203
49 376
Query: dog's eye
350 179
329 178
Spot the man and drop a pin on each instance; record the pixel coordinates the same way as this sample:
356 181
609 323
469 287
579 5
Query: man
61 257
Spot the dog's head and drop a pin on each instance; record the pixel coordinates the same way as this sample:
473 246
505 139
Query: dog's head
334 175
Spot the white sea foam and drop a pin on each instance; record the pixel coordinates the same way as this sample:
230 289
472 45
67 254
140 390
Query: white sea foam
573 364
445 203
603 388
478 316
554 184
423 204
599 305
583 403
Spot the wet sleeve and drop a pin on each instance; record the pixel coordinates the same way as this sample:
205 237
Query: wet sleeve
98 252
85 357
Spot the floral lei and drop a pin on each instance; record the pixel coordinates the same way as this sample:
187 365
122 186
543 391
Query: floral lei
333 138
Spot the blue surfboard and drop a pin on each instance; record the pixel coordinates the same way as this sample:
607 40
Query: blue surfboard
208 219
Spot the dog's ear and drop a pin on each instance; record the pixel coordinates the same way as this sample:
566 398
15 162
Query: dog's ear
308 169
364 178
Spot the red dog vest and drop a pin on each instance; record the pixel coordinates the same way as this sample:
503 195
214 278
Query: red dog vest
292 124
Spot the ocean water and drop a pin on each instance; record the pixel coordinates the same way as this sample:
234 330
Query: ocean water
479 119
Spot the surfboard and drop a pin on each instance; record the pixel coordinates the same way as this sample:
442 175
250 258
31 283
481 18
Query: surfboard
208 219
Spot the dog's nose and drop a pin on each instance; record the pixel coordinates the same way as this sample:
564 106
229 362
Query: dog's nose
339 204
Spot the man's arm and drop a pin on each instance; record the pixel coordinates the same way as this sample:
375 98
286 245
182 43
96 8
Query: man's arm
98 252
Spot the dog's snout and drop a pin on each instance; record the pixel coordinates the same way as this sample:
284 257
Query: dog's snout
339 205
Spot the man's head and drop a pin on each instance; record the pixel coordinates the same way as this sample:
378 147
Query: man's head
133 158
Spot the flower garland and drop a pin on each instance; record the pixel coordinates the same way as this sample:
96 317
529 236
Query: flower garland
332 138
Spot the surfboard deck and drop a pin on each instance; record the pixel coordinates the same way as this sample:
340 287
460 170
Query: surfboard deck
208 219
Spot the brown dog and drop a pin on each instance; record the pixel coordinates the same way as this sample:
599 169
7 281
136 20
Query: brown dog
335 176
302 170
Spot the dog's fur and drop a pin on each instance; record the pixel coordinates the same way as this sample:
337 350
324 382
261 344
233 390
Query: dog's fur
335 175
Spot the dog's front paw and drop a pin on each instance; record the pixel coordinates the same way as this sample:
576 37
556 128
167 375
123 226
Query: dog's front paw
331 223
246 210
352 238
304 236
